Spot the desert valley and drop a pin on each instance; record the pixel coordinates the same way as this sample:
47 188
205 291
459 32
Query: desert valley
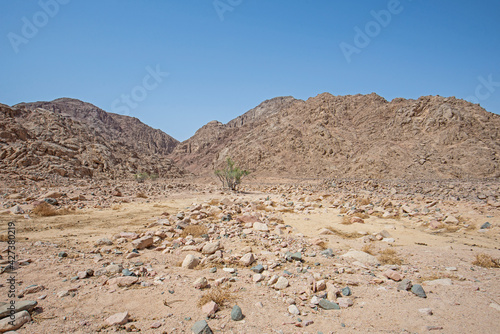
359 215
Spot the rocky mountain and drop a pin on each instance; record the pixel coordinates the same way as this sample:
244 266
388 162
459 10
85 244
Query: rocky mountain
360 136
73 138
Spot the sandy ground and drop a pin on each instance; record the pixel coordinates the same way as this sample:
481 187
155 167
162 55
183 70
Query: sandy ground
465 306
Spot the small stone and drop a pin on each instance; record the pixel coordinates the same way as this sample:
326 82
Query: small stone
451 219
126 272
281 283
328 305
200 283
229 270
236 313
345 302
143 242
123 281
257 278
362 257
114 269
117 319
485 226
451 268
190 262
103 242
293 309
327 252
23 305
257 269
418 290
247 259
33 289
426 311
213 270
62 254
404 285
210 248
201 327
394 275
210 308
346 291
272 280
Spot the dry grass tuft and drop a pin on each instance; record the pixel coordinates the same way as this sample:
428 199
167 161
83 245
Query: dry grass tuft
345 235
219 295
141 195
346 220
194 230
389 256
44 210
363 201
486 261
368 248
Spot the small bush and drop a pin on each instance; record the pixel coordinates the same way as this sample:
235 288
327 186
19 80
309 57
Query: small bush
141 195
231 175
346 220
194 230
486 261
219 295
389 256
44 210
368 248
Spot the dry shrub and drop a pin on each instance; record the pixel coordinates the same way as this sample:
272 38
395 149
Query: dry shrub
343 210
486 261
44 210
116 207
141 195
368 248
346 235
219 295
346 220
389 256
363 201
194 230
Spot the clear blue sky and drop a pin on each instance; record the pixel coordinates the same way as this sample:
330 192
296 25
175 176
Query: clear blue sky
222 62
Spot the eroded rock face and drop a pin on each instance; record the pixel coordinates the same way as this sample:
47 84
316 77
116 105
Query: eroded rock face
76 139
353 136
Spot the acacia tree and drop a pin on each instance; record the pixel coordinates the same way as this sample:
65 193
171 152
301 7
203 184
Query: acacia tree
231 176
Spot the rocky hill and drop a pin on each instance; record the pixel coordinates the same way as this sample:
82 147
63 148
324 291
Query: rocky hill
72 138
360 136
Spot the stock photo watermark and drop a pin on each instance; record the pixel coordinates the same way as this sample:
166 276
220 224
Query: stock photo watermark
223 6
31 26
484 89
11 279
139 93
373 28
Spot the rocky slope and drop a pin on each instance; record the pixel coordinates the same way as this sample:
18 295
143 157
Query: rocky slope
360 136
76 139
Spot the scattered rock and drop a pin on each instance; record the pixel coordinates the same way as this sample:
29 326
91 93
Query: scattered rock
247 259
257 269
117 319
190 262
210 248
394 275
210 308
236 313
328 305
143 242
201 327
281 283
404 285
200 283
293 309
22 305
7 324
361 257
418 290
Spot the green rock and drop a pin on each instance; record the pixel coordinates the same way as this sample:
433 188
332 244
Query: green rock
328 305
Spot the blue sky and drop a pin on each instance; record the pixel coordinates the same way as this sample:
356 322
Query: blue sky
177 65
